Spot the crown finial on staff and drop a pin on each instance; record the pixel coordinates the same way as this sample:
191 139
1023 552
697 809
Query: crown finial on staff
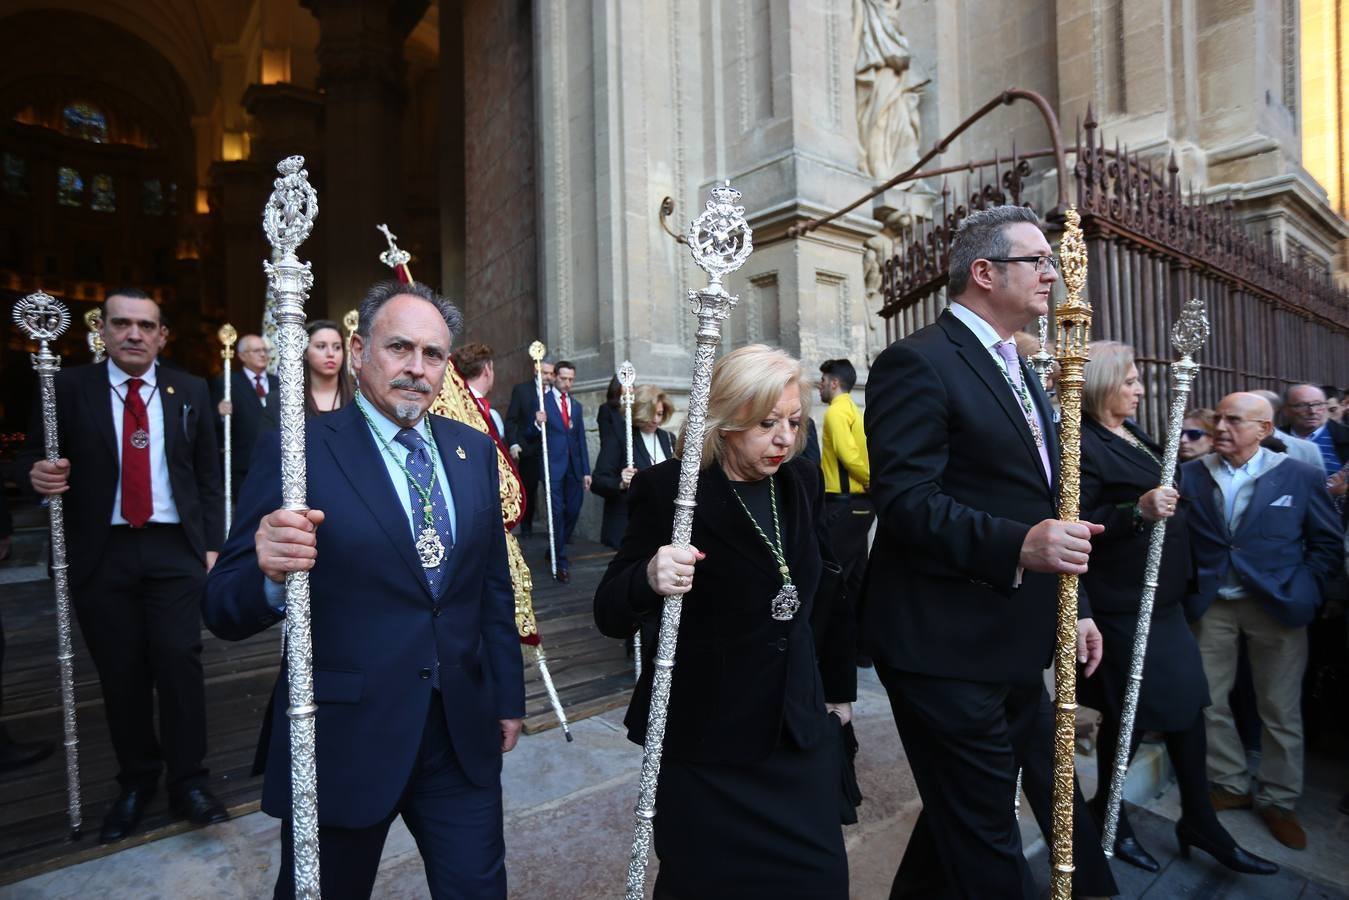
627 375
720 239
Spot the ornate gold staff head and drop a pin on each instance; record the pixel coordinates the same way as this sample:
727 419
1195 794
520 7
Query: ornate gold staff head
351 321
93 320
227 336
537 352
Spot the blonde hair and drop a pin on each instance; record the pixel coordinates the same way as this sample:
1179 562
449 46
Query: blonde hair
1107 366
746 385
644 402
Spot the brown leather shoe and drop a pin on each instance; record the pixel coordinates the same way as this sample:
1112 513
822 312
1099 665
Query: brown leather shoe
1222 799
1283 824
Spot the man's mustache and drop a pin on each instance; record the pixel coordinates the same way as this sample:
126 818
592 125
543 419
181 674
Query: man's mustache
411 384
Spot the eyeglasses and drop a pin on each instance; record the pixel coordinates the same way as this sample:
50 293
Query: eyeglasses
1193 434
1042 263
1238 421
1308 407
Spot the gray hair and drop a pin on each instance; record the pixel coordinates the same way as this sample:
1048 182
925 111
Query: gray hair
384 291
982 235
1107 366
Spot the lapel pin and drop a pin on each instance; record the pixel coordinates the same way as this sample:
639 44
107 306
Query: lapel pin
459 451
169 389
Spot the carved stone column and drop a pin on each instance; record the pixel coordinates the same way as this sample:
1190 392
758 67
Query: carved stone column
361 71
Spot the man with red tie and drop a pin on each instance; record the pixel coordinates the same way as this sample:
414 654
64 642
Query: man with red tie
568 459
144 521
474 362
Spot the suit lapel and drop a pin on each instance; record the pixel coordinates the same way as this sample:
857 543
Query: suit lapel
97 388
640 458
172 406
462 488
981 362
353 447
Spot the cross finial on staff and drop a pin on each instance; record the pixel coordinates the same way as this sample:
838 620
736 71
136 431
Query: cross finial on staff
388 235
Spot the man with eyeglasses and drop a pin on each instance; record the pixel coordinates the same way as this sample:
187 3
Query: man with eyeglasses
1299 448
1309 417
960 602
1265 541
252 405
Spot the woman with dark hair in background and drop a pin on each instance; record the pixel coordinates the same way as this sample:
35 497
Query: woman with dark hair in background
609 417
1121 471
327 383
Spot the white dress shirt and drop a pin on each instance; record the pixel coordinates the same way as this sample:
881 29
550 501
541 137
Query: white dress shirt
653 447
163 510
253 383
496 416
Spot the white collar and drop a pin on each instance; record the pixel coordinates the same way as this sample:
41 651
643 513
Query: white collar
1252 466
254 376
117 377
976 323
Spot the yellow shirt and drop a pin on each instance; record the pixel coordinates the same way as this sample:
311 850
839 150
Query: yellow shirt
844 441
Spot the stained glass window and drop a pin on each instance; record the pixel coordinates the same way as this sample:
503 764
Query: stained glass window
103 194
69 187
152 197
86 122
16 175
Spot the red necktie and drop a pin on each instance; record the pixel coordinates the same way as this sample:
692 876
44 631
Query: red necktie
486 408
566 413
136 497
257 384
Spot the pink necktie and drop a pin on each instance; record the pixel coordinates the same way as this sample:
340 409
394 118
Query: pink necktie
1007 350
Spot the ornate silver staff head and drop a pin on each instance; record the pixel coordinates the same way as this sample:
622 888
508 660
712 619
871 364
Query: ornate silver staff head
627 376
1190 330
43 318
289 214
395 256
720 239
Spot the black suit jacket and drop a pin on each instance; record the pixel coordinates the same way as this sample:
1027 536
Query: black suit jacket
741 677
520 428
1114 477
89 441
249 419
607 478
957 483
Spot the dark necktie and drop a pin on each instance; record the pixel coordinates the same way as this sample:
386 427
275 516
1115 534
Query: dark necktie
422 472
137 500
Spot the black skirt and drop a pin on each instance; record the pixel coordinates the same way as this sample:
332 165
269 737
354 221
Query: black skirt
767 829
1174 688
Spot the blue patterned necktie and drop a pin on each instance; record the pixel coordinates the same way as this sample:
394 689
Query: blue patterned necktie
422 471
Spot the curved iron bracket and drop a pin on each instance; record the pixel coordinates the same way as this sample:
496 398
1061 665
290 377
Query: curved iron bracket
667 210
1006 98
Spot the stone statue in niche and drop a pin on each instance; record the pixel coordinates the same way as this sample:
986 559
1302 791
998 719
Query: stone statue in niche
888 89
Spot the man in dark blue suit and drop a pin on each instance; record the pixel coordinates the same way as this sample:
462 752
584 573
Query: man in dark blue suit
417 670
1265 539
568 460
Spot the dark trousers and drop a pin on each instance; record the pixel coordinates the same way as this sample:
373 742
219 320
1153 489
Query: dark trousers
457 826
1188 750
964 741
568 495
140 613
848 521
528 467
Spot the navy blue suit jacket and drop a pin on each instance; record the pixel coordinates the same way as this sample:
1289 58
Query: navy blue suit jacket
377 630
567 450
1282 554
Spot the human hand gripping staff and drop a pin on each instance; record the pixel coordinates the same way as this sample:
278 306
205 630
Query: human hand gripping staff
43 318
720 240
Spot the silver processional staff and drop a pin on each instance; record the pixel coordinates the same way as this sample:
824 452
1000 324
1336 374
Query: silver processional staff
1188 334
287 220
627 376
720 240
44 318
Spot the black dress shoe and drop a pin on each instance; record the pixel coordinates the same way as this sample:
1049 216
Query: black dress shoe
125 813
17 754
1232 856
200 807
1128 850
563 576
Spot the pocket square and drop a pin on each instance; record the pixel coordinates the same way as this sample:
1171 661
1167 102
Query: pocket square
1285 500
